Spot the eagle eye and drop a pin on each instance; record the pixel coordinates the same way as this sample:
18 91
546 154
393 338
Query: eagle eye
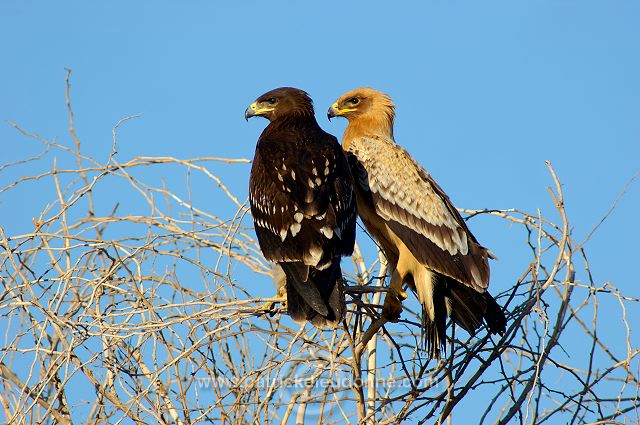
272 100
353 101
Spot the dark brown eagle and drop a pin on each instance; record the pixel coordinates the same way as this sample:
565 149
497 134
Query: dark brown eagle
426 241
303 204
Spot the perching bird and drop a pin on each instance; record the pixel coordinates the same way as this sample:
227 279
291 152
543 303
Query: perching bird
426 241
303 204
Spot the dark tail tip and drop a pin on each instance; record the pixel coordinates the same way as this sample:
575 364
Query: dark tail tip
327 287
435 331
434 337
496 321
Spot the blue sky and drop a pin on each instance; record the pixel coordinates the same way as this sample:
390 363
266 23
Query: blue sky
485 93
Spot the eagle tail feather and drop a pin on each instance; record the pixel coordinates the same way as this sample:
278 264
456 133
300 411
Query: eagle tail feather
296 307
298 278
434 330
469 308
494 316
433 337
466 306
318 299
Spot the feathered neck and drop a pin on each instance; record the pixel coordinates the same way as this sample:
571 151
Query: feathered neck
296 121
295 118
377 120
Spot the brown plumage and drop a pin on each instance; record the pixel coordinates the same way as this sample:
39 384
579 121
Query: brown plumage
303 204
426 241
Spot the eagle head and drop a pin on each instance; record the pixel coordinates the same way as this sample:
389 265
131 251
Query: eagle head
360 102
280 102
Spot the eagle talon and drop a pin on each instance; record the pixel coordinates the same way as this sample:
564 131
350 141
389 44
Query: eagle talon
401 295
392 308
268 308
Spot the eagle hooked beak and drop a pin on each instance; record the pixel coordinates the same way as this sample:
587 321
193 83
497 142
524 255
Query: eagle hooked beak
251 111
333 111
258 109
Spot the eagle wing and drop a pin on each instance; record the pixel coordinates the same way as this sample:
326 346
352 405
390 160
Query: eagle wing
418 211
302 201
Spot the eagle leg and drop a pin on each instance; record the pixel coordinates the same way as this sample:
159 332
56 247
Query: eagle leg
392 307
269 307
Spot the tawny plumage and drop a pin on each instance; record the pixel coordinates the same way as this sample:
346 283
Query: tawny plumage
427 243
303 204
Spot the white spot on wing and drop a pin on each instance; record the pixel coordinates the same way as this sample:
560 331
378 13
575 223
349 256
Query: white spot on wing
298 217
295 228
475 274
283 234
327 231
